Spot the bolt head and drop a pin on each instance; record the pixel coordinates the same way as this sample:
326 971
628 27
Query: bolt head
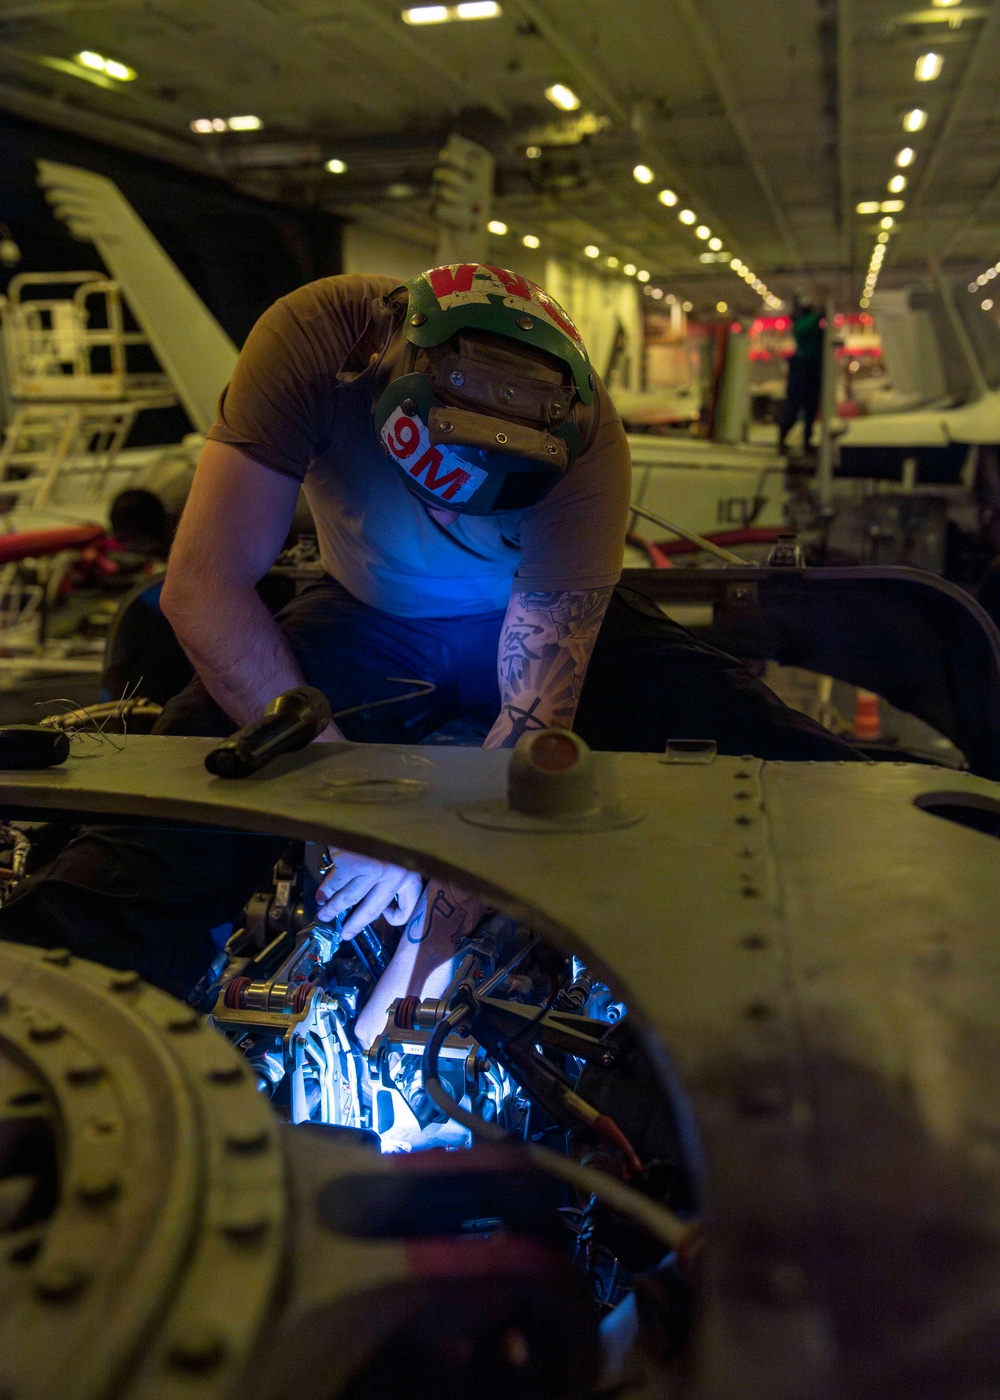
60 1283
84 1070
248 1142
501 438
418 319
197 1349
409 407
97 1188
525 323
457 378
43 1028
123 981
184 1021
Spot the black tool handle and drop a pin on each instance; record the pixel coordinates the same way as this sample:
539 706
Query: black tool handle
32 746
291 721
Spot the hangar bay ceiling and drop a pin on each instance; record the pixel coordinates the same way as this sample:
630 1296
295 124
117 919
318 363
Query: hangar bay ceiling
772 122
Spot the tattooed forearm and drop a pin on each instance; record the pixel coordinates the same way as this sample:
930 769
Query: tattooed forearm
545 646
443 914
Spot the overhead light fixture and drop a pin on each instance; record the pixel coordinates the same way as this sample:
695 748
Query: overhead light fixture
533 152
612 261
867 206
531 240
426 14
643 174
496 226
915 120
657 294
687 306
688 216
336 166
562 97
703 231
642 275
888 221
668 198
736 264
893 206
945 4
441 14
883 237
905 157
110 67
203 125
897 184
591 251
722 307
928 67
987 304
629 269
715 244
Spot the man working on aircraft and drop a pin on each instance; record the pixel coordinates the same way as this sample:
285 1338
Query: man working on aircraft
469 480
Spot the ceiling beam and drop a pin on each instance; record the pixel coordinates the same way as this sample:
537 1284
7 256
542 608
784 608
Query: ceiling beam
712 59
555 34
126 135
424 52
987 36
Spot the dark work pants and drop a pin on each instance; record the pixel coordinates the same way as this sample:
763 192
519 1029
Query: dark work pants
805 379
130 897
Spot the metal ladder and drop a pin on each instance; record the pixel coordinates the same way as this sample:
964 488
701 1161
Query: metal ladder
74 385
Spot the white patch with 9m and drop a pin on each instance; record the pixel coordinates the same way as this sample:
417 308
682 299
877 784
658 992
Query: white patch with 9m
436 469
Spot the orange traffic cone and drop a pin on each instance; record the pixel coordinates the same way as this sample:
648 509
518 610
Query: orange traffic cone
867 719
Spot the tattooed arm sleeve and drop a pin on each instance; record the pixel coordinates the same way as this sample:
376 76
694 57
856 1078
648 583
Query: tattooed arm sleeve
545 646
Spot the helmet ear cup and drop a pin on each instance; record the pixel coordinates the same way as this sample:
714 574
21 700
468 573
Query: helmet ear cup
470 482
570 434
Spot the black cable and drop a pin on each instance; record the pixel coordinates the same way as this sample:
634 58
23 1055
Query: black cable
649 1215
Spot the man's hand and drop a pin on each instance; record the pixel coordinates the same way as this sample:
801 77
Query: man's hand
370 887
423 963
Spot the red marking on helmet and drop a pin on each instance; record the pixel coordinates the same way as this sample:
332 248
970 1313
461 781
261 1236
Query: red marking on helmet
443 486
513 282
445 281
404 446
555 313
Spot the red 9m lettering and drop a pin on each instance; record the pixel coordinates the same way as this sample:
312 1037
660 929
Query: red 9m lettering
404 438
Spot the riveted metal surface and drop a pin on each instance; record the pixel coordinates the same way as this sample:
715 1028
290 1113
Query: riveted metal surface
123 1273
819 957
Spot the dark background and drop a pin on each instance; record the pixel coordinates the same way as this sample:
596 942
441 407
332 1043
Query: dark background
238 253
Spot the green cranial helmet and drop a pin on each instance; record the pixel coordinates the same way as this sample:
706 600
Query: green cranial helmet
483 414
475 296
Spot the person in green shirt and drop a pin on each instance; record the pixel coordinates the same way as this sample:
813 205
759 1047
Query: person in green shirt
805 372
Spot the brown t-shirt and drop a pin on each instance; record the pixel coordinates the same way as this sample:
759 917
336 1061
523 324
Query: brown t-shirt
285 408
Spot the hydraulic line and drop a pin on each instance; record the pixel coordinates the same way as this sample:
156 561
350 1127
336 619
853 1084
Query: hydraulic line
699 540
674 1233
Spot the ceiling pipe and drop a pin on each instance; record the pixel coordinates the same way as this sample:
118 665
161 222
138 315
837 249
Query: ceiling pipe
712 60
